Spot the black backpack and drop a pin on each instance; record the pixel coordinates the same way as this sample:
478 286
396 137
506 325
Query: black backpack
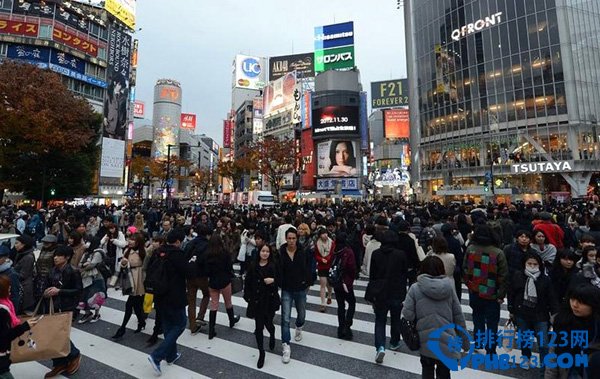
157 274
102 267
335 276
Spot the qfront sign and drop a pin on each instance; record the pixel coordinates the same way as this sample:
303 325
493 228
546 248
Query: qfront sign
476 26
542 167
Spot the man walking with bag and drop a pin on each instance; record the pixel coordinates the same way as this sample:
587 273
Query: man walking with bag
166 280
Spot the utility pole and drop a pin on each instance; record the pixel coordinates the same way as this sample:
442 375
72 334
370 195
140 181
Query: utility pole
168 179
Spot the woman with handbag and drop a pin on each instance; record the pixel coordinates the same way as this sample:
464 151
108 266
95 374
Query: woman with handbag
10 327
131 275
113 243
94 285
260 291
431 303
324 247
219 269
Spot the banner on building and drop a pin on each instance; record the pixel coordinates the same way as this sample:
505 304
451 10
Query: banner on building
278 96
307 152
396 124
117 94
336 35
333 59
250 72
335 121
338 158
389 93
61 35
19 28
227 133
113 158
257 107
139 109
123 10
303 64
364 122
188 121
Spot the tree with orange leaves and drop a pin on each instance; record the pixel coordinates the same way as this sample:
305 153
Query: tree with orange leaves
275 159
236 169
48 135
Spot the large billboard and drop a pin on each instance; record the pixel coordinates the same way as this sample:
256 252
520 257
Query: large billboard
250 72
307 152
334 121
166 118
227 133
338 158
336 58
27 29
389 93
301 63
123 10
113 158
335 35
188 121
396 124
278 96
139 109
117 94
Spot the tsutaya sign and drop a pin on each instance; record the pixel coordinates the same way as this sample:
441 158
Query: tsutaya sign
542 167
476 26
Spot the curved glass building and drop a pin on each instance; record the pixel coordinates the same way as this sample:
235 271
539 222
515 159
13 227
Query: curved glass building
505 98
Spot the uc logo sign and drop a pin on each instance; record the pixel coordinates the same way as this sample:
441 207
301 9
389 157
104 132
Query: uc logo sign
251 67
434 344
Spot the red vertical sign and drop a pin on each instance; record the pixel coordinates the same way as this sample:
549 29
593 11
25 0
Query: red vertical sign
227 134
308 159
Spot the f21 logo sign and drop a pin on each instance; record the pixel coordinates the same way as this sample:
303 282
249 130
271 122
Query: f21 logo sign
476 26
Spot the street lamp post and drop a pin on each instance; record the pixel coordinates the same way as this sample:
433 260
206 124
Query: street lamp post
147 183
168 178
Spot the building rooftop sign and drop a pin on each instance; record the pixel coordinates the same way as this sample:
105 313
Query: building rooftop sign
476 26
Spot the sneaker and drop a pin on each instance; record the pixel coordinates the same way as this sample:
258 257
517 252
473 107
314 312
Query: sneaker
525 364
155 366
323 308
380 354
175 360
86 317
298 335
287 353
80 306
201 322
96 318
395 347
196 330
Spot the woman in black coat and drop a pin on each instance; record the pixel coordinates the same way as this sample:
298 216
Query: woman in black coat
260 291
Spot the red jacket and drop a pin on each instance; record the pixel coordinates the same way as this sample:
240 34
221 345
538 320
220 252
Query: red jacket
554 233
324 263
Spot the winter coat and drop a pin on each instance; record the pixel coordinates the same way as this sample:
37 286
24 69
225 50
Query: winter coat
176 297
389 264
15 285
553 232
137 272
324 258
547 302
561 281
433 303
515 257
68 280
263 300
486 271
7 335
77 254
372 246
24 264
219 270
448 260
295 274
348 265
119 244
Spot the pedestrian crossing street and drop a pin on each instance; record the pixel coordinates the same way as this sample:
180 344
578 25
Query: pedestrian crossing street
233 353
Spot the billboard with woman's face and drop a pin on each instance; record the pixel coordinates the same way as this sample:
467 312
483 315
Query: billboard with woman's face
338 158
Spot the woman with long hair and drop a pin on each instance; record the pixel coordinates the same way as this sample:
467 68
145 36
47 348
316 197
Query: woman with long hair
10 327
113 242
219 269
94 285
544 248
75 240
261 293
133 260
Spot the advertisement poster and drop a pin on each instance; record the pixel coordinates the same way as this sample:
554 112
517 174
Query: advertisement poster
278 96
139 108
117 94
335 120
113 158
124 10
227 126
389 93
396 124
308 160
188 121
338 158
250 72
303 64
336 58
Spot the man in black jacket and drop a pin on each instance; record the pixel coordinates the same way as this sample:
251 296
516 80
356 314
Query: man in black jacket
172 303
389 270
295 279
196 277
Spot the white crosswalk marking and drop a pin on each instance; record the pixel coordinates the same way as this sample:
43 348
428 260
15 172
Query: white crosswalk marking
235 349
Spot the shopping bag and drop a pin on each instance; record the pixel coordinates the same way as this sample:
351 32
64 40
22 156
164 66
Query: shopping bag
237 284
148 302
508 335
48 339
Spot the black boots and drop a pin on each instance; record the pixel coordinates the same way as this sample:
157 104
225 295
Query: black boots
233 319
120 333
272 341
261 350
212 320
141 326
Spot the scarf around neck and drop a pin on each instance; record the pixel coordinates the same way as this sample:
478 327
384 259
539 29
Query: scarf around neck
6 265
8 305
530 295
324 247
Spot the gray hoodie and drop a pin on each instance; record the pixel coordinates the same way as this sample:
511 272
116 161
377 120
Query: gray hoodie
432 301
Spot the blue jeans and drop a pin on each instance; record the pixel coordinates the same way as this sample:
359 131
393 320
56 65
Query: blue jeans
299 299
538 327
173 324
65 360
486 315
381 311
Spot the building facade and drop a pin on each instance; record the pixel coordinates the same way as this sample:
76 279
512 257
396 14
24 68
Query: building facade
505 98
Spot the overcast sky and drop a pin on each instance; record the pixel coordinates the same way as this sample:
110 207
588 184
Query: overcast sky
195 42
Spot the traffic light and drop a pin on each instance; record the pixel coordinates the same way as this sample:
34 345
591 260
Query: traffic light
52 192
486 187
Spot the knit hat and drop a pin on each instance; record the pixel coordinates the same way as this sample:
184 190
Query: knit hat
26 240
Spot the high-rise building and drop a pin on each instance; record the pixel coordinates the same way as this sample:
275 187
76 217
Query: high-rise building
504 98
